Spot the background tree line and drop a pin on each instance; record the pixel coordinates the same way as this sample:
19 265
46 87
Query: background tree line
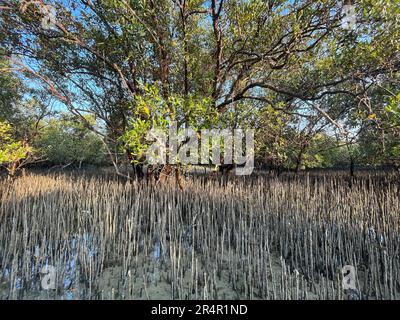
317 94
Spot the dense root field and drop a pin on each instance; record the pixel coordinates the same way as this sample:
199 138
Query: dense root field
221 238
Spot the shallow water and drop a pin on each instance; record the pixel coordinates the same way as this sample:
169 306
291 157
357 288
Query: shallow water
242 239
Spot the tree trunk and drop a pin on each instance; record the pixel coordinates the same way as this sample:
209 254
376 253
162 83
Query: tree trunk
12 170
226 168
299 160
165 173
352 167
179 179
138 170
137 167
298 163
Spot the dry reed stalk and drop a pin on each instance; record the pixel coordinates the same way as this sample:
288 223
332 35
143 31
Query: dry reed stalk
217 238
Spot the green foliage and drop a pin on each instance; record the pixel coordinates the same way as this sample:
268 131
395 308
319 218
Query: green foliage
380 140
140 64
151 111
10 91
66 140
11 150
393 110
272 136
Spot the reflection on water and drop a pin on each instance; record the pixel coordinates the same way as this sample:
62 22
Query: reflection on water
218 239
68 271
110 282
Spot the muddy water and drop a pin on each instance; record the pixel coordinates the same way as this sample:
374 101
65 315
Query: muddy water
251 238
147 278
